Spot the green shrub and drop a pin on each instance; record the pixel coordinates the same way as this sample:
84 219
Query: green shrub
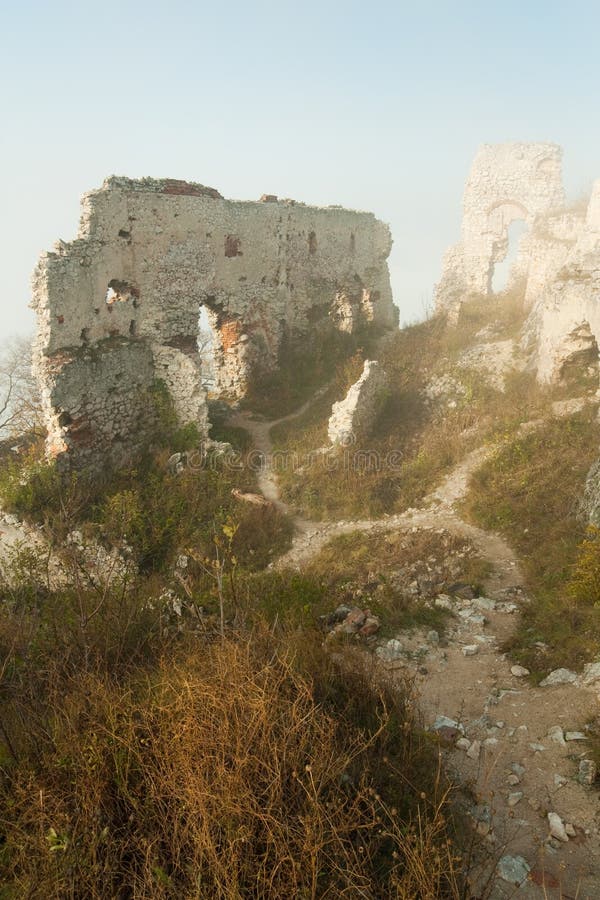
529 492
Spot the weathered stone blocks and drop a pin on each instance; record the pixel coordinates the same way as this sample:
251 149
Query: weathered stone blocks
149 254
507 182
353 417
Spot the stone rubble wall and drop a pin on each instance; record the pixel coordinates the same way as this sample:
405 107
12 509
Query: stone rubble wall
507 182
565 296
98 403
352 418
558 263
125 295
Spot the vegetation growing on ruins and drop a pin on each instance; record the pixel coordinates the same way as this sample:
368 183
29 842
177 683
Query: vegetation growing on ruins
416 440
303 370
177 719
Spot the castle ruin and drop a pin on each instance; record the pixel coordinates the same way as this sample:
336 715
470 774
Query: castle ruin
118 308
558 262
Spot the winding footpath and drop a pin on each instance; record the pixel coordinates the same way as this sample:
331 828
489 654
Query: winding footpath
512 759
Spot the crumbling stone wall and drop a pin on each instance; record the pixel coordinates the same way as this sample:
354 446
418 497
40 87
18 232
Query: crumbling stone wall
352 418
559 261
118 307
507 182
563 328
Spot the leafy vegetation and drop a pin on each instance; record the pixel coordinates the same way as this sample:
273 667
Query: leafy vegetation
529 492
166 728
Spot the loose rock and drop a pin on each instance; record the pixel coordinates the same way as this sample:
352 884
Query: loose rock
513 869
559 676
591 673
556 734
557 828
391 651
587 771
519 671
474 750
575 736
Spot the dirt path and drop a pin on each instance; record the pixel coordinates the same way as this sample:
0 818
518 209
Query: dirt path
506 761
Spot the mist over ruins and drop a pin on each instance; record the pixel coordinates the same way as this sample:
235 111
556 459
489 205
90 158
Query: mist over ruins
221 394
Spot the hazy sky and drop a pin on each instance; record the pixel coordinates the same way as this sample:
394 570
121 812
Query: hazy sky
373 105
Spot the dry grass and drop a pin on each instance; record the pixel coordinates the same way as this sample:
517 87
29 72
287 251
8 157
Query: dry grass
302 370
529 492
244 767
504 312
414 442
380 570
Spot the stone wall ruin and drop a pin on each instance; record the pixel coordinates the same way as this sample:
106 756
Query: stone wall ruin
118 308
558 262
507 182
558 266
353 417
563 329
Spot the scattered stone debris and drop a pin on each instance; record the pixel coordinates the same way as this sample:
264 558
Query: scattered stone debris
352 620
446 390
587 771
391 651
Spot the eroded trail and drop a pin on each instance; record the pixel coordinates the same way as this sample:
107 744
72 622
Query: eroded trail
437 511
512 759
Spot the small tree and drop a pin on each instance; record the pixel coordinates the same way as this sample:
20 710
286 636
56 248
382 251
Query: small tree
20 402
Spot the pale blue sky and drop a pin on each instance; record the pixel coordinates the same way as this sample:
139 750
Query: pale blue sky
373 105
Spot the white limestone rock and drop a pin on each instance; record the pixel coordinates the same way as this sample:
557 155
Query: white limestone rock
353 417
557 827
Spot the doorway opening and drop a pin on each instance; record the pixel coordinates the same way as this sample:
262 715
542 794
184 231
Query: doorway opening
206 351
501 275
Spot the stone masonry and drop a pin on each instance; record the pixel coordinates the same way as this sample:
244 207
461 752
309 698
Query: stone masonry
557 266
563 293
118 308
507 182
558 261
353 417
